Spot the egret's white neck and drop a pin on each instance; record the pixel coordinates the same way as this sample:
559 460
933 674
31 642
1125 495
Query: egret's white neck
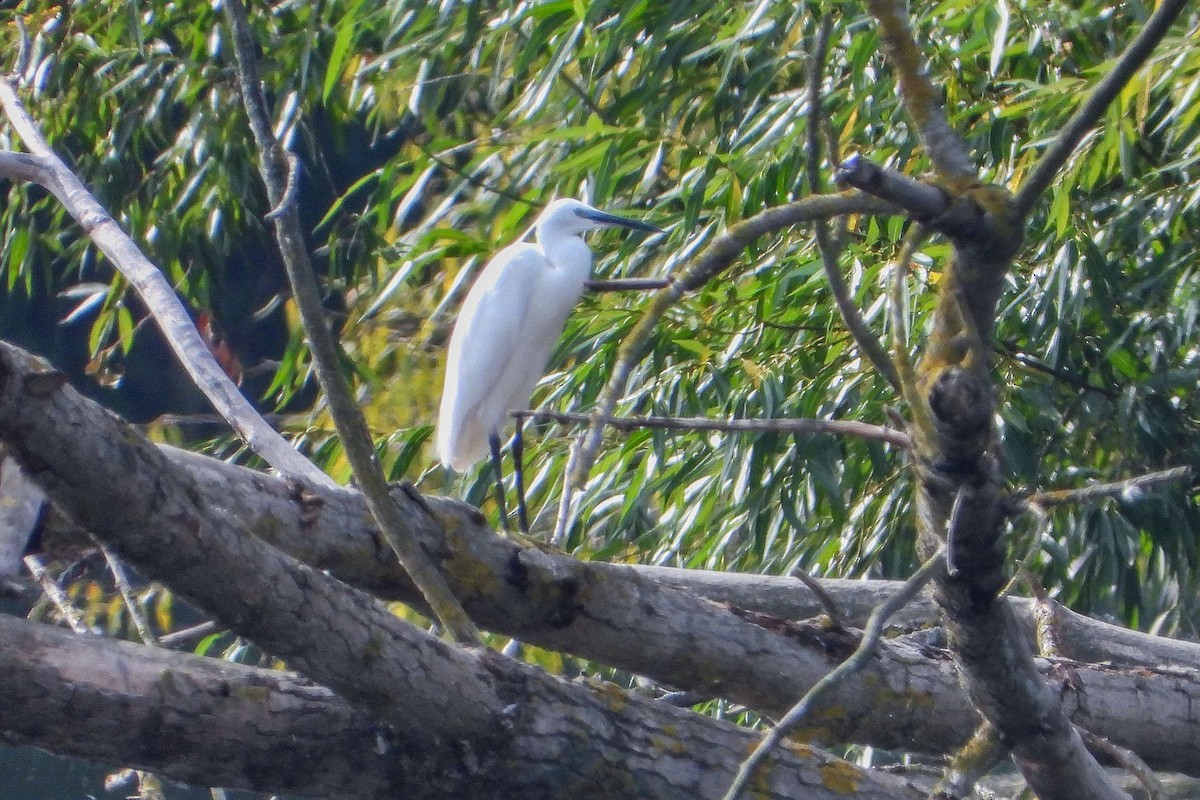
568 252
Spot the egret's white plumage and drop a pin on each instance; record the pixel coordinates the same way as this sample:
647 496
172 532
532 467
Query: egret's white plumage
508 325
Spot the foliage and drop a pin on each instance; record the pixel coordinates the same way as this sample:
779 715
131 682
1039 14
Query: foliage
432 133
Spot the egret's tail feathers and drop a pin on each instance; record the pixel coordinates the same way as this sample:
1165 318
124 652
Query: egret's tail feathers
460 449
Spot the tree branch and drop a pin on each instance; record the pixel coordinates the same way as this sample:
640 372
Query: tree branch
276 168
45 168
1088 114
1128 489
636 619
511 725
626 284
921 99
837 427
920 201
868 344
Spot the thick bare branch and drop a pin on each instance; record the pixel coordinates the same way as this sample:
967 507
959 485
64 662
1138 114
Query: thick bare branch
512 725
920 201
635 619
1088 114
278 173
45 168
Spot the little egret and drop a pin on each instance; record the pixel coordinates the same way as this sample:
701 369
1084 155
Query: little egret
502 340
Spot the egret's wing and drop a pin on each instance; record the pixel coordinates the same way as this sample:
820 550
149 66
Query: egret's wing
485 354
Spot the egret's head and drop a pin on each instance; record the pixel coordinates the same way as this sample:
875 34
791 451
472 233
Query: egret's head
567 217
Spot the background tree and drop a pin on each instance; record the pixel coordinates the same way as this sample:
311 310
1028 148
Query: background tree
428 135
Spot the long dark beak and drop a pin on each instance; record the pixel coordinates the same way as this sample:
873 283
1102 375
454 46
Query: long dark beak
613 219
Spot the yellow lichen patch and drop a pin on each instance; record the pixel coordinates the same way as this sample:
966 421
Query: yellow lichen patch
841 777
258 694
798 749
613 695
469 575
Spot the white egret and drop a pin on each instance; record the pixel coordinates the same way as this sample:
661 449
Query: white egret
507 327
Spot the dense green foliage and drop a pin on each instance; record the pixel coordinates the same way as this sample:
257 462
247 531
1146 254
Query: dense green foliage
433 133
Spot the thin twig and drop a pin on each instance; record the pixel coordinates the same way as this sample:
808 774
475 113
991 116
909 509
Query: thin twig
347 416
1128 490
922 100
56 595
625 284
838 427
900 355
188 635
1035 365
823 596
1128 759
872 635
1086 117
121 579
868 344
156 291
715 259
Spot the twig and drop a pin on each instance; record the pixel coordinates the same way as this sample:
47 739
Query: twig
922 100
1129 489
347 416
1035 365
44 167
188 635
21 63
1127 759
868 344
1093 107
56 595
626 284
857 660
823 596
900 355
839 427
121 579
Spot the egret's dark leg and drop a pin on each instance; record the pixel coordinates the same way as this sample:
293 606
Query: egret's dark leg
494 446
518 449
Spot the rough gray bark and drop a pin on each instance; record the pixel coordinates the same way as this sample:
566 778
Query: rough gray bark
516 730
908 698
203 721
